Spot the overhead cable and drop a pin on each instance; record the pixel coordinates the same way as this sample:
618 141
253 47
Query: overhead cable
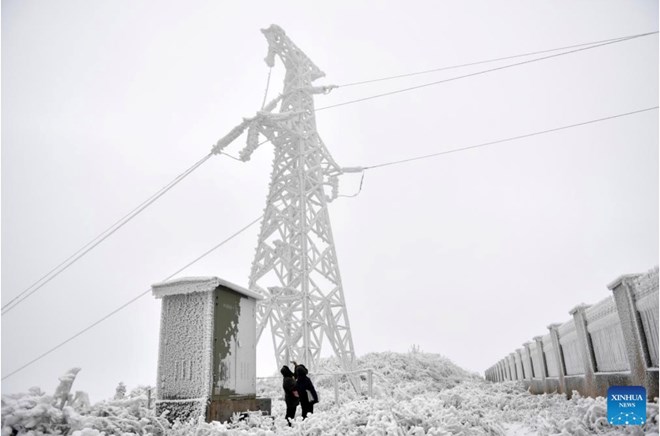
470 64
356 169
98 239
477 73
513 138
131 301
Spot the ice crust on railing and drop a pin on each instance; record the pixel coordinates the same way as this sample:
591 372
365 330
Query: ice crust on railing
646 283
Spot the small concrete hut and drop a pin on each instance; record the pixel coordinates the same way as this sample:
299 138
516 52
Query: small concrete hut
207 351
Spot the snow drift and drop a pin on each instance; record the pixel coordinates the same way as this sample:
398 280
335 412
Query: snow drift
414 394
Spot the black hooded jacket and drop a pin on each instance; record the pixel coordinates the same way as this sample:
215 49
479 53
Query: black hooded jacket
304 384
289 385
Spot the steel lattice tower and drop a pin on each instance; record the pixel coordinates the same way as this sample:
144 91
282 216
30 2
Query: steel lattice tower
295 265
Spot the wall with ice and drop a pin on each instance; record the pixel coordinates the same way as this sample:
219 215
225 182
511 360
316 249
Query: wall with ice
612 342
185 347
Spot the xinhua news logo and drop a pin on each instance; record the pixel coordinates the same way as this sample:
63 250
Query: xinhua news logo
626 405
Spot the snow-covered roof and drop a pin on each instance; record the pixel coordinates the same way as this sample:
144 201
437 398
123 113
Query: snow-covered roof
187 285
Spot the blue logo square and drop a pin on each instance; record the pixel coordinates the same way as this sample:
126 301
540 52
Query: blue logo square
626 405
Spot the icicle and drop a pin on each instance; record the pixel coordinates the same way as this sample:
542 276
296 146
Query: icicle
333 181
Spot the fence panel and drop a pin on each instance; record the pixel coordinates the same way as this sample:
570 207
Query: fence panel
550 358
527 366
604 328
536 362
570 348
519 367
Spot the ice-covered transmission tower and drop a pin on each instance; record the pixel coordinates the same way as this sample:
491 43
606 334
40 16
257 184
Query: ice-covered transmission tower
295 265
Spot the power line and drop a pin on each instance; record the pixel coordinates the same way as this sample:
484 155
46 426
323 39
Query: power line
398 91
50 275
15 301
361 181
131 301
470 64
23 295
513 138
114 227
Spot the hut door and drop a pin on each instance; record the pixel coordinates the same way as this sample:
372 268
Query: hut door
225 328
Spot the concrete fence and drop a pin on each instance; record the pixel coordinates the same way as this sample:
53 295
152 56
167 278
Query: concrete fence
612 342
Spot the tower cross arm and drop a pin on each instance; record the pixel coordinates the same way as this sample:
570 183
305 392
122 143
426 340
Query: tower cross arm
237 131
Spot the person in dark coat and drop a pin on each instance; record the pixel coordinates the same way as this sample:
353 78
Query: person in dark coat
290 393
306 391
296 366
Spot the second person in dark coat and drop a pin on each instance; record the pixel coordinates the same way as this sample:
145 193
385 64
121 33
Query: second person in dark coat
307 393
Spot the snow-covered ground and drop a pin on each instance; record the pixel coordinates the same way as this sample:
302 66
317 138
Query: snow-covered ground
414 394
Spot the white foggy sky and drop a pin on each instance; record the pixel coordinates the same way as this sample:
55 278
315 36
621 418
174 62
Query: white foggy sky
468 255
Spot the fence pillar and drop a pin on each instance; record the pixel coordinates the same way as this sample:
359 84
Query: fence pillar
514 370
541 357
519 375
633 332
523 374
531 362
512 367
554 335
586 348
512 364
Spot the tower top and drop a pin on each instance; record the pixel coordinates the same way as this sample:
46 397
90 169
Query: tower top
292 57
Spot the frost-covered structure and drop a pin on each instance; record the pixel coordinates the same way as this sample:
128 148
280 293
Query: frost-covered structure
612 342
295 265
207 353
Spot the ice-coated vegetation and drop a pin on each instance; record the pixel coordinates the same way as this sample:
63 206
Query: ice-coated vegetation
36 413
415 393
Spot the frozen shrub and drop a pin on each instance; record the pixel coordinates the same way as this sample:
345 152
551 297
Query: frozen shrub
120 392
419 394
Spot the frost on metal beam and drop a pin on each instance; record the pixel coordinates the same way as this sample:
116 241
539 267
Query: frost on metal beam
295 265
